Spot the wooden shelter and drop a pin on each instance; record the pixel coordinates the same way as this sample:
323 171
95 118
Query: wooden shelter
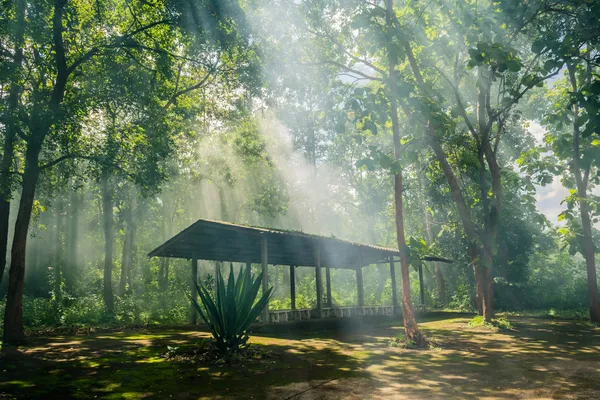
222 241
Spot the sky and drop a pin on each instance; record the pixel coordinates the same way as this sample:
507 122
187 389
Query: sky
550 196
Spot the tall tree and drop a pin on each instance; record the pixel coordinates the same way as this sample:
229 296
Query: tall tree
10 119
566 35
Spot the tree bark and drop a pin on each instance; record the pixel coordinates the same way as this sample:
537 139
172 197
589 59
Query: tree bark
164 262
132 247
107 216
13 316
9 137
587 243
411 329
72 264
58 246
439 278
41 122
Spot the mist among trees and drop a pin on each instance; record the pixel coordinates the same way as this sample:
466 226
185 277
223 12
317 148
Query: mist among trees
437 128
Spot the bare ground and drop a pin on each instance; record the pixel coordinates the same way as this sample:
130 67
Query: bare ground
335 359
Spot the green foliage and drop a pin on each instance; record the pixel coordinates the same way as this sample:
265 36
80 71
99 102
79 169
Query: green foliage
231 311
461 298
498 324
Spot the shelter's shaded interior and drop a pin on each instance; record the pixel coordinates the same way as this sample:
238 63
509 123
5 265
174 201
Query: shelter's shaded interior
221 241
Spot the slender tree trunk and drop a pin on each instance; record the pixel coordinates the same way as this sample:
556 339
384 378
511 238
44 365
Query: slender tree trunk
71 265
107 214
439 278
127 247
132 247
9 137
13 316
411 328
58 246
587 243
124 264
167 227
463 210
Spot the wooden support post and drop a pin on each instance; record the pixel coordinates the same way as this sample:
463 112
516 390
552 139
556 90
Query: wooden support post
328 284
421 285
194 294
319 282
359 286
394 289
293 285
265 274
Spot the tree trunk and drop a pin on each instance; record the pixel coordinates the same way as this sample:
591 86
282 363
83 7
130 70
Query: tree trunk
164 262
9 137
58 259
127 247
439 278
587 243
590 261
124 264
411 329
72 264
13 316
132 246
455 189
42 122
107 214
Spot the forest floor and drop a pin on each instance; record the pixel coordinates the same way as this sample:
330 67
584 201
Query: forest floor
334 359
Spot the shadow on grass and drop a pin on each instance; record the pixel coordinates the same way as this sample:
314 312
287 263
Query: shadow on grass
329 359
128 366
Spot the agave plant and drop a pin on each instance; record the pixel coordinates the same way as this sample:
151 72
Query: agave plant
233 309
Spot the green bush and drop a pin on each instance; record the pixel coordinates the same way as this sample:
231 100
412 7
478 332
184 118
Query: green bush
497 324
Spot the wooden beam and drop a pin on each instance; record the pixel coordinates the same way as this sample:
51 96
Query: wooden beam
293 286
194 294
394 289
265 274
328 284
359 286
318 280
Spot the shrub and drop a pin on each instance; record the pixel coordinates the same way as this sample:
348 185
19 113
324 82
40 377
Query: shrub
497 324
233 309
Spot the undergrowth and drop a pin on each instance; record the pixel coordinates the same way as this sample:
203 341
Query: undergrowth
401 343
497 324
206 352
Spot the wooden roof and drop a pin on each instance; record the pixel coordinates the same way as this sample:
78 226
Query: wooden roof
223 241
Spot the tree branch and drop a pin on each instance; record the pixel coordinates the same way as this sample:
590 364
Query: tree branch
119 41
461 107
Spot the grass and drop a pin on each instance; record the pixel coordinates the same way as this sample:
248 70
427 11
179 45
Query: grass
330 359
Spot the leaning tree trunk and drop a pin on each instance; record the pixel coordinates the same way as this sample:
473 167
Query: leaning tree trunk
107 214
13 316
455 189
411 329
9 137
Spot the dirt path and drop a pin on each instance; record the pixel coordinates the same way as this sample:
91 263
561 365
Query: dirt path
323 360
